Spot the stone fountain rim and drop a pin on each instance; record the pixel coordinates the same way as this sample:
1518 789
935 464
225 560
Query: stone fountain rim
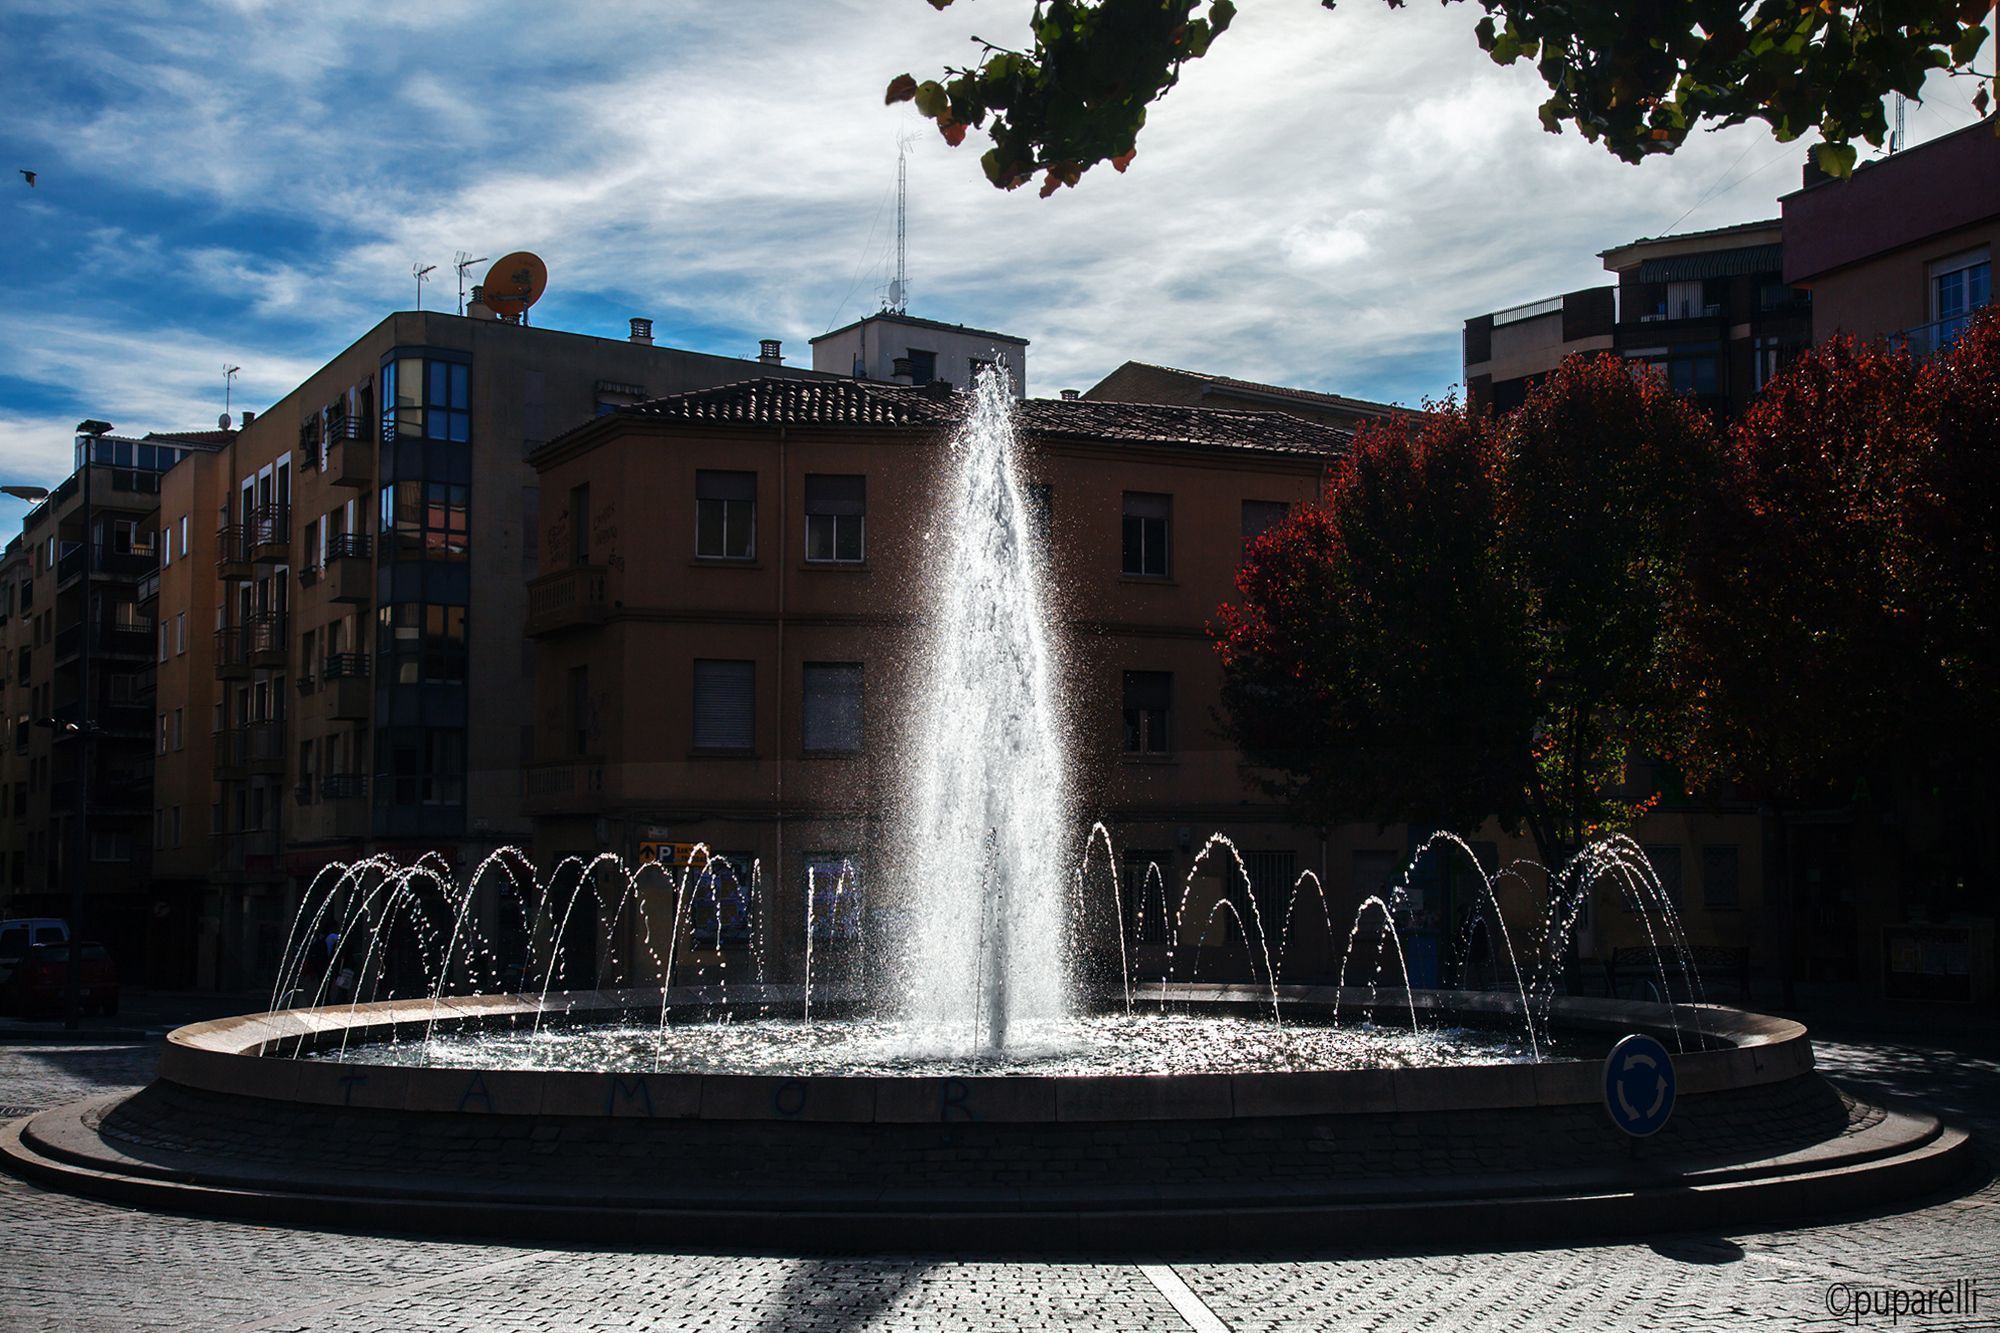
229 1056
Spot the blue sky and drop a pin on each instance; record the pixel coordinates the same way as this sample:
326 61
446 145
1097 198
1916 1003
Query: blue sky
1321 203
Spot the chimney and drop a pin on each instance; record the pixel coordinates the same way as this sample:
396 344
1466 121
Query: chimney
248 417
768 351
900 369
642 331
477 308
1070 395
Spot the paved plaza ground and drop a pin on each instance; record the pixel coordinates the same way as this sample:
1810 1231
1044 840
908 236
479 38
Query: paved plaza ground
74 1263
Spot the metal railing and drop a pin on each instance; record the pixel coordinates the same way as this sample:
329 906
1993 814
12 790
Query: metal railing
339 666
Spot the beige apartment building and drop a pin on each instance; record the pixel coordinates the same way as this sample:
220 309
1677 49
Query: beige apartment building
723 622
352 573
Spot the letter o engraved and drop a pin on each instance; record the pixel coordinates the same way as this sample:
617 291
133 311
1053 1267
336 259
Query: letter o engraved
790 1097
953 1097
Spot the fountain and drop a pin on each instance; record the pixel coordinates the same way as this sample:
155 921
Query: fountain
439 1052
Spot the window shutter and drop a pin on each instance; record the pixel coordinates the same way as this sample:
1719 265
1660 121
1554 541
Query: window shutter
831 716
728 486
724 705
836 495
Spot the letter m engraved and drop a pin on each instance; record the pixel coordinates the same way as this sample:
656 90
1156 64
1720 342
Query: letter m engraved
634 1091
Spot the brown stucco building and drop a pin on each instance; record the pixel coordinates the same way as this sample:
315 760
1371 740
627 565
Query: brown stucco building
1138 382
1902 249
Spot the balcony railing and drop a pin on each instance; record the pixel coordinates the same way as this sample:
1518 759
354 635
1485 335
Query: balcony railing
258 747
124 566
132 637
342 666
574 784
348 576
232 551
349 546
344 787
1927 340
350 455
567 599
270 530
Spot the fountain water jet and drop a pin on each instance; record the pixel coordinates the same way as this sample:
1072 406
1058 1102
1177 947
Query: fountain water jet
988 792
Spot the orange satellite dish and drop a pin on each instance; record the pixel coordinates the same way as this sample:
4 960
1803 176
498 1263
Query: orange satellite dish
515 282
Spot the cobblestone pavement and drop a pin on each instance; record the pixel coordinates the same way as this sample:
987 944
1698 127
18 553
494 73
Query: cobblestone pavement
71 1263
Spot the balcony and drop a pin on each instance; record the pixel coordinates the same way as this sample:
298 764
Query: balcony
567 599
350 698
1926 340
232 552
245 854
348 576
264 640
571 785
232 653
270 534
350 453
131 638
129 566
255 748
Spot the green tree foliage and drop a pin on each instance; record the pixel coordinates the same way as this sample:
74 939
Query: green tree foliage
1637 76
1476 618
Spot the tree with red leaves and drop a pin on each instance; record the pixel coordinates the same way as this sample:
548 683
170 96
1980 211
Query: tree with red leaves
1474 620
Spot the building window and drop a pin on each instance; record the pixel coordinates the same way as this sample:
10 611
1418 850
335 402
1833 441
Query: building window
1148 915
1148 706
1260 516
830 718
1719 877
923 366
422 398
180 633
1666 862
834 883
836 509
724 705
180 728
423 766
420 644
1959 286
725 515
426 520
976 366
1148 532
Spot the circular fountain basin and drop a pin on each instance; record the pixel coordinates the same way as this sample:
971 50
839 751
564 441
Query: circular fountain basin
1438 1154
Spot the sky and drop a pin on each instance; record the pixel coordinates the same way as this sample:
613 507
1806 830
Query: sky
1322 202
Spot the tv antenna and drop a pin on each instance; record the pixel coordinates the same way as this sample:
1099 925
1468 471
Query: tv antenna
229 374
1898 140
421 271
899 288
462 263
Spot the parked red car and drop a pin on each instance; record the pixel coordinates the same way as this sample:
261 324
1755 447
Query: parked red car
39 980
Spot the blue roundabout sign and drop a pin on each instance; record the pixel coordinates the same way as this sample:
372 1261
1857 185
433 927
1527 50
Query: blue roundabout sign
1639 1085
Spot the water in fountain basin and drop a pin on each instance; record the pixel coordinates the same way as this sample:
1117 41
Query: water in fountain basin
987 944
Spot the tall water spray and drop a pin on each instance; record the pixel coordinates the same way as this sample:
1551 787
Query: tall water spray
987 948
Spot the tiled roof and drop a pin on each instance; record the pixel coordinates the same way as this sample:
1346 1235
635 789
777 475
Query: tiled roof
849 403
1228 383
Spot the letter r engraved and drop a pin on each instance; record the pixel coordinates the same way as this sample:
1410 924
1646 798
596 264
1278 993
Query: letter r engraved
954 1097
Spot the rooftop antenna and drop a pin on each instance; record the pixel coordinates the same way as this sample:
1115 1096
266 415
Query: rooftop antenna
229 374
1897 141
420 271
899 290
464 262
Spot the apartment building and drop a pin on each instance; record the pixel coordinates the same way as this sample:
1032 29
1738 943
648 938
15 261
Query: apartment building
1139 382
897 348
1711 309
723 619
1510 351
82 641
351 569
1902 249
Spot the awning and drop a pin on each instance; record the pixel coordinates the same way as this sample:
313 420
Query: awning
1714 264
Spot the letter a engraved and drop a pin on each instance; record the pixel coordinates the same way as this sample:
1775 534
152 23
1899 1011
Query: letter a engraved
636 1090
954 1097
476 1091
